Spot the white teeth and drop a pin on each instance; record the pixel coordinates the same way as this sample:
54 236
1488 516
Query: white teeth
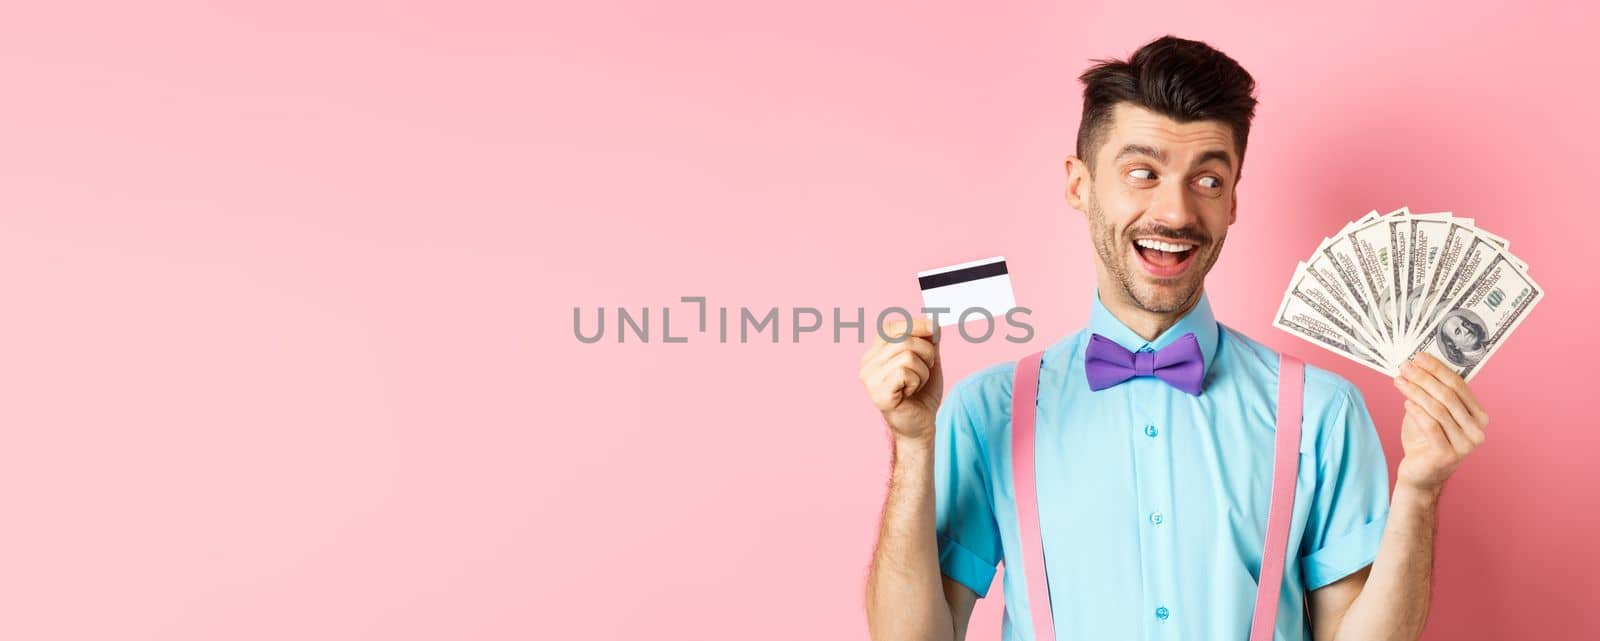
1162 246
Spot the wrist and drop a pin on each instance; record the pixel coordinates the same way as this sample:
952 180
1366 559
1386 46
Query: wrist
1417 496
913 444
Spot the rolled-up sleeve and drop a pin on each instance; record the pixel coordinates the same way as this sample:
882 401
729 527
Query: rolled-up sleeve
969 539
1351 501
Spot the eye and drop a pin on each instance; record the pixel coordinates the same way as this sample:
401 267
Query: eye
1211 182
1142 174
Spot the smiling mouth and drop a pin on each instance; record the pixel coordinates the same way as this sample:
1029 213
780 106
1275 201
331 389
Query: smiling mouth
1165 258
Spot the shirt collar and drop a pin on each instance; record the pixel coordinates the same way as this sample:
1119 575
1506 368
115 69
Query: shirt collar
1198 320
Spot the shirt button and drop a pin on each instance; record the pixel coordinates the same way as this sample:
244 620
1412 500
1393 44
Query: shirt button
1156 518
1151 431
1162 613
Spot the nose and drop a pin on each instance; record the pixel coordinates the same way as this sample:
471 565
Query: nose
1174 207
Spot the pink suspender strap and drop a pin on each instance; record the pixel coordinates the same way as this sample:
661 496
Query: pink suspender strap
1024 393
1285 468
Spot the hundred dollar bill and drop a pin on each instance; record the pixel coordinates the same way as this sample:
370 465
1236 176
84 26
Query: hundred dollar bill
1318 262
1348 268
1301 319
1370 245
1313 290
1505 246
1447 246
1426 234
1419 237
1471 262
1321 281
1399 228
1477 323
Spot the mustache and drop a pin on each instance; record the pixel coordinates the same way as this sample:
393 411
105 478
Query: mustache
1171 234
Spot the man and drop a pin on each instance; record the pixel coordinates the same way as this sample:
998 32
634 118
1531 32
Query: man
1153 499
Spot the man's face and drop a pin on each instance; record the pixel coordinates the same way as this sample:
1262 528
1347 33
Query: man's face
1159 200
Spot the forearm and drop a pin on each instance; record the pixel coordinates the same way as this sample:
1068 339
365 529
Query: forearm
1393 606
905 596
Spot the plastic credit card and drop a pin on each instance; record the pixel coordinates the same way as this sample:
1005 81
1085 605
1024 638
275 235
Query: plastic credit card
980 284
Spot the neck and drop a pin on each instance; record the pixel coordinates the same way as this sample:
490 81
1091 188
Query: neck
1147 324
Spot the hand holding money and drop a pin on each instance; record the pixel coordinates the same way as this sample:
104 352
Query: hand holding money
1443 423
1386 288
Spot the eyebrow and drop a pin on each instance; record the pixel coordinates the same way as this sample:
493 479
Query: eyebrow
1215 154
1136 149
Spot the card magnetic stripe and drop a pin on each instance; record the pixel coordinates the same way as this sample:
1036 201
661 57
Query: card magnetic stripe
968 274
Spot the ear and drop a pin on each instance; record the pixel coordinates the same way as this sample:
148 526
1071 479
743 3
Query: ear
1078 183
1233 210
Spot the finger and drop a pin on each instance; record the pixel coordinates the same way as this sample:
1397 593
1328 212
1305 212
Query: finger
909 385
1469 422
924 348
872 361
921 347
881 351
880 340
1429 429
1427 403
872 351
892 386
896 330
1475 434
882 389
906 382
919 369
1454 381
1441 392
1436 411
1451 379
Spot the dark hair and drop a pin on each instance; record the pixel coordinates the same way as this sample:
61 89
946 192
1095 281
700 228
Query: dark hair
1185 80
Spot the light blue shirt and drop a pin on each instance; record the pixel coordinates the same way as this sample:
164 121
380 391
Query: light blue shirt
1153 503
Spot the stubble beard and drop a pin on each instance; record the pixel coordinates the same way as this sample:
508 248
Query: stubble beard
1115 256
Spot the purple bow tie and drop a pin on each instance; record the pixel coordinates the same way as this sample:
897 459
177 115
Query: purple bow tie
1180 364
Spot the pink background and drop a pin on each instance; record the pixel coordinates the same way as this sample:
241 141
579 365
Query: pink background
288 351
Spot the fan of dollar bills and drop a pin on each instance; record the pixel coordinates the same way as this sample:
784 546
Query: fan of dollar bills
1388 287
